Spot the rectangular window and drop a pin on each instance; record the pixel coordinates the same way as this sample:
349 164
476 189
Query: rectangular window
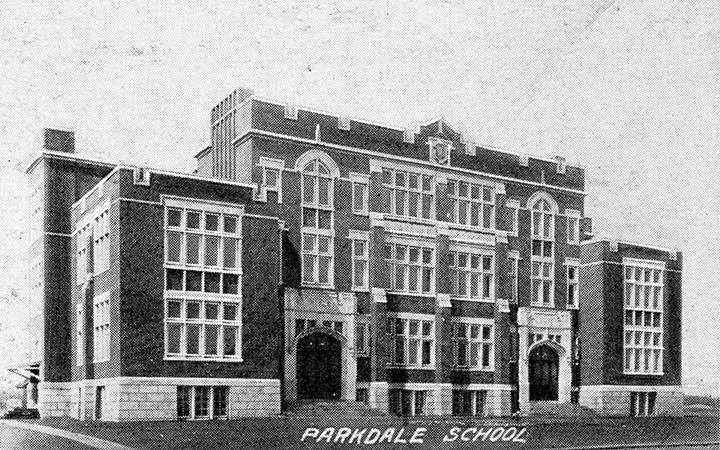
405 402
408 194
513 261
513 212
414 341
473 344
543 255
202 277
359 193
79 335
202 402
360 259
362 339
573 227
573 277
472 204
411 268
101 328
472 275
469 403
642 403
643 322
184 399
101 234
83 254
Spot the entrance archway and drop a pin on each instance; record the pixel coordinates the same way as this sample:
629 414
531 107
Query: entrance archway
319 367
543 374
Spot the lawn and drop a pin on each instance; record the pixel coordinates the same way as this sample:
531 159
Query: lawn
287 433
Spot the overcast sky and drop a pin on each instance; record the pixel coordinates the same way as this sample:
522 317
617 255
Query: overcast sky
628 89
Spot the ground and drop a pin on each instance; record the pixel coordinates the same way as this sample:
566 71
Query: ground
286 433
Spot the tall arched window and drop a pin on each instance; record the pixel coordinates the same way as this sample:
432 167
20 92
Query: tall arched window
543 249
317 223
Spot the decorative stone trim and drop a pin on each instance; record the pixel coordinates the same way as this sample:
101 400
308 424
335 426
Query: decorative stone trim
379 295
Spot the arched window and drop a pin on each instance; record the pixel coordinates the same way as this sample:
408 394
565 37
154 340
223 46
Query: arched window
543 209
317 223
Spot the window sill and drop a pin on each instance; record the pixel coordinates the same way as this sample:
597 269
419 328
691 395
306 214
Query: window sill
475 300
465 369
405 367
361 213
411 294
651 374
536 305
324 287
201 359
361 289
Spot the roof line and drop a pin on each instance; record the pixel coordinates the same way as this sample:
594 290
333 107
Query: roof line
626 242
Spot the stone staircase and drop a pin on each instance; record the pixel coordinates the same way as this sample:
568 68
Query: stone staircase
330 409
554 409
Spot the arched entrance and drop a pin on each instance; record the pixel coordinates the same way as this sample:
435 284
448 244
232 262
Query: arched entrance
319 367
543 374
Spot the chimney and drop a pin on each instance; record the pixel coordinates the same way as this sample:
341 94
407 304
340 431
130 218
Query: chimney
58 140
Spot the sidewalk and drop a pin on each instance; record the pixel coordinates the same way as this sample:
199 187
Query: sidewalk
90 441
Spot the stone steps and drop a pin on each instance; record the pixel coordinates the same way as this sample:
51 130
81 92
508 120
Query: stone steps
319 409
554 409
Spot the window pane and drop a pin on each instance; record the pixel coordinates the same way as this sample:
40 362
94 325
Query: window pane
211 222
173 246
324 270
427 206
271 178
174 279
413 202
193 281
230 341
174 308
399 350
212 282
400 203
220 399
212 246
230 253
202 400
193 220
174 332
359 196
193 339
230 284
359 248
174 217
308 189
183 401
325 220
413 351
324 192
230 224
426 352
192 244
193 310
230 312
211 339
427 182
427 279
488 216
359 274
211 311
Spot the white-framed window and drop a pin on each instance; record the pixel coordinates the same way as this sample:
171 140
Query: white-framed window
473 344
472 274
101 328
360 195
317 225
360 261
642 403
203 328
469 402
513 263
413 340
362 338
408 402
513 208
272 175
573 227
101 239
643 292
411 266
79 334
573 280
82 236
543 252
472 204
202 402
408 194
203 279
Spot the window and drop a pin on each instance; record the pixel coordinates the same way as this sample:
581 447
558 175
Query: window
360 258
543 255
79 335
101 328
317 224
101 233
573 300
643 317
411 268
471 275
408 194
202 294
513 262
359 193
472 204
513 211
413 341
202 402
473 344
469 403
362 339
573 227
362 396
642 403
272 175
405 402
82 255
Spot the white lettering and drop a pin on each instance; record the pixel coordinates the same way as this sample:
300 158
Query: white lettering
388 434
398 438
463 436
497 434
482 433
370 438
417 437
452 435
508 437
342 434
309 432
357 434
517 438
326 434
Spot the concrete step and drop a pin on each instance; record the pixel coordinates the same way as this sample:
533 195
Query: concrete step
320 409
555 409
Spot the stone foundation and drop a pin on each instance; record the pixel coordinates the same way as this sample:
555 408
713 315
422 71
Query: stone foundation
439 399
614 400
141 399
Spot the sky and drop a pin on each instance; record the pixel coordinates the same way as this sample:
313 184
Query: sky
630 90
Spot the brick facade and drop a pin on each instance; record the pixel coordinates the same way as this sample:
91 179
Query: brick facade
282 313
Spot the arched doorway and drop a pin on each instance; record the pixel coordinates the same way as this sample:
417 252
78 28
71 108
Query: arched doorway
543 374
319 367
